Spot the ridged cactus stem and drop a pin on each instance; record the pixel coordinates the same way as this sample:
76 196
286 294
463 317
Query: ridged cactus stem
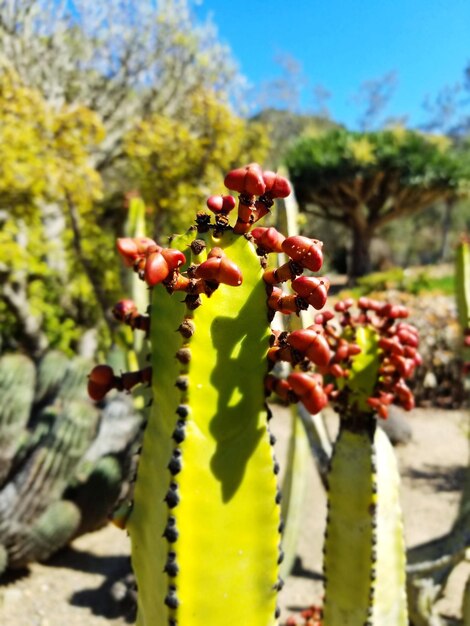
364 548
206 484
205 524
373 351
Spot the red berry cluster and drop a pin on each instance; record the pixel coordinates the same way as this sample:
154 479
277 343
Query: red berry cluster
257 189
313 616
102 379
398 352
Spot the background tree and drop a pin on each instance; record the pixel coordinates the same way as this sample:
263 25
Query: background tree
174 163
366 180
124 60
45 155
89 77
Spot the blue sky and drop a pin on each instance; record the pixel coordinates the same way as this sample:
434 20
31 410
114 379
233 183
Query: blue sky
342 43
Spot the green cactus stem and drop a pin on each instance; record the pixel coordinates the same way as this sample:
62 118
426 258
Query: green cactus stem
205 522
462 283
364 563
364 550
205 476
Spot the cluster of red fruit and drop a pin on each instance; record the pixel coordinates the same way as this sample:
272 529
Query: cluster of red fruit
156 265
313 616
398 352
257 188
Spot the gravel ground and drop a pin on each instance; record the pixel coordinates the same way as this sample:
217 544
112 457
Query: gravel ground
73 588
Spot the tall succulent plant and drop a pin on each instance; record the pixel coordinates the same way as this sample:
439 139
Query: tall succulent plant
205 519
373 352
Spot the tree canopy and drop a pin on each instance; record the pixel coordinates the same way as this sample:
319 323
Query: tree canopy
366 180
97 100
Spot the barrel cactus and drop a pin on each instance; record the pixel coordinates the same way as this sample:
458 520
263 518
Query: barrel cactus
61 469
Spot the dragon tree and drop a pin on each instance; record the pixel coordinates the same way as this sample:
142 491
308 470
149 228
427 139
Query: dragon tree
366 180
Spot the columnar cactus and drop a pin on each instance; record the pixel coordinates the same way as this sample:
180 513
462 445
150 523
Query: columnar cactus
59 477
373 352
205 518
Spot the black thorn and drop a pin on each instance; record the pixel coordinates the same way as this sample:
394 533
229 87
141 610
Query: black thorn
171 567
182 411
279 584
280 558
197 246
172 498
186 328
170 533
272 439
183 355
278 497
280 528
277 613
192 301
175 464
171 600
276 467
179 434
182 383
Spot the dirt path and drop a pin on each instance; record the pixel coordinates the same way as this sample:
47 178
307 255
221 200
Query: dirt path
73 589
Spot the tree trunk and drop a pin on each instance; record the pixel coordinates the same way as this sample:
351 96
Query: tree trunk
359 261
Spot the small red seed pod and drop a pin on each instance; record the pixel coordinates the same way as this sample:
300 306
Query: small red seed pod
407 337
336 370
277 186
313 289
277 301
248 179
405 395
281 274
354 349
221 205
397 311
341 353
126 311
100 381
367 303
219 269
386 398
178 282
132 249
378 406
156 269
310 391
123 309
269 239
307 252
262 208
391 346
312 343
324 317
280 386
173 257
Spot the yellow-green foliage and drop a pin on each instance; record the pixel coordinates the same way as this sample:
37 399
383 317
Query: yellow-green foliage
175 161
46 161
45 152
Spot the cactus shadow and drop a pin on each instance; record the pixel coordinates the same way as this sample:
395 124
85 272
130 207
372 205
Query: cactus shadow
437 478
300 571
100 600
241 350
